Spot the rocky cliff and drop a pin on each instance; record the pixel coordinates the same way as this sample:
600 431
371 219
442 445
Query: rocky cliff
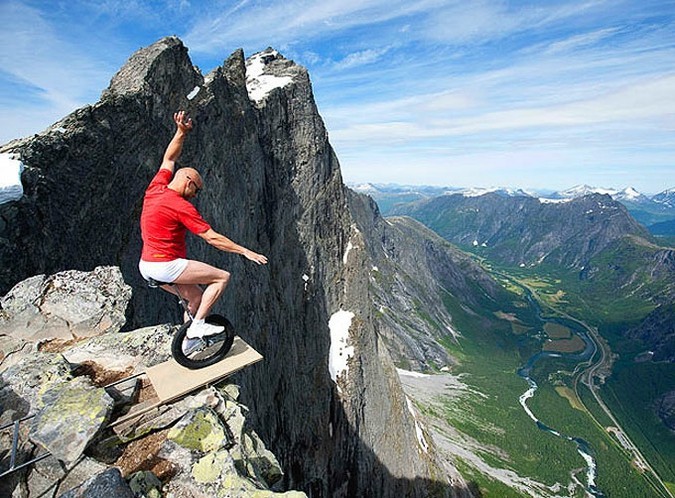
414 273
326 398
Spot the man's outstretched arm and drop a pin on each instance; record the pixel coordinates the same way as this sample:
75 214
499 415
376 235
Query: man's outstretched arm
224 244
175 147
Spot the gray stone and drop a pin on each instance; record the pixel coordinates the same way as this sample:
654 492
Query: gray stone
64 306
200 430
109 483
22 383
145 484
166 415
138 349
48 476
71 415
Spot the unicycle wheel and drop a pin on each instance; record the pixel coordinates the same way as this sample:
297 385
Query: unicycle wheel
209 349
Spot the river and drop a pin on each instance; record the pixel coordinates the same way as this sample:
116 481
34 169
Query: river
583 447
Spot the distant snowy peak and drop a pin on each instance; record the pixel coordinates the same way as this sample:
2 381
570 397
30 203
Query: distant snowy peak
260 78
582 190
666 198
504 192
628 194
364 188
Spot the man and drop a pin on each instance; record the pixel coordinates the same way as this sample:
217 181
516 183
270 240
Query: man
166 216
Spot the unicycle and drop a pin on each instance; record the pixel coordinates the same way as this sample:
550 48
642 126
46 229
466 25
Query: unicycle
202 352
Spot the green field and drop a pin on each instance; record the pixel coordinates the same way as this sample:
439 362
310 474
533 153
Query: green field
490 353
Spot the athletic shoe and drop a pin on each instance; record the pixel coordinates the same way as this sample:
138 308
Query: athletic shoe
200 328
189 346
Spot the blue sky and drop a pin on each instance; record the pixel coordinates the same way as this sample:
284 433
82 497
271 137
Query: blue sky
456 93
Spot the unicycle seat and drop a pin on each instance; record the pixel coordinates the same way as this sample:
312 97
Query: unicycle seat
155 284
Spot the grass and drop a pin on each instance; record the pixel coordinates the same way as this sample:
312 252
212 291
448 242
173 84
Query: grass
491 351
635 410
557 331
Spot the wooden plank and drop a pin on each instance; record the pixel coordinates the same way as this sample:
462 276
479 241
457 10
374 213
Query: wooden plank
136 411
172 380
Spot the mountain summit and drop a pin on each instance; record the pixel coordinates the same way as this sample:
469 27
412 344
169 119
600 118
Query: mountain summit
339 428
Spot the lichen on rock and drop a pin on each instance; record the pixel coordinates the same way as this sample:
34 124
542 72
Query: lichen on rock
71 415
199 430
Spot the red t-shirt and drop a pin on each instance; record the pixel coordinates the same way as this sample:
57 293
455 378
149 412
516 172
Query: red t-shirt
165 217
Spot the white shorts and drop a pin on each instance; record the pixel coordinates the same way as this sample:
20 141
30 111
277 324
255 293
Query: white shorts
162 271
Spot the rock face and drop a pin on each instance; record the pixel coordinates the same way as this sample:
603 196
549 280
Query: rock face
657 332
272 183
413 272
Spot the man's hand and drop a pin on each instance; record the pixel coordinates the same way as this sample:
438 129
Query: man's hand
183 121
173 150
255 257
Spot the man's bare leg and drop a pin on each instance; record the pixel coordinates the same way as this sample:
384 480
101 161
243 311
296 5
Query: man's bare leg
191 293
213 278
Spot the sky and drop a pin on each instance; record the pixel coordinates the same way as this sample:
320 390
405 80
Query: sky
481 93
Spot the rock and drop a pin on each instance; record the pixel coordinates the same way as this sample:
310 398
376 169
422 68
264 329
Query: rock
200 430
50 476
71 414
255 461
109 483
65 306
136 349
167 414
22 383
145 484
212 466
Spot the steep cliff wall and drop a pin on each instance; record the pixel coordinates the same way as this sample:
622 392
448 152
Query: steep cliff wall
272 182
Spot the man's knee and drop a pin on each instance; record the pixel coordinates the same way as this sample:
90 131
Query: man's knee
223 279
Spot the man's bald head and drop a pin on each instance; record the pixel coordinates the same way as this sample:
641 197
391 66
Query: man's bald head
187 182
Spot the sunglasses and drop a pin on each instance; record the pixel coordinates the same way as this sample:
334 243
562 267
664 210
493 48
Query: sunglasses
197 187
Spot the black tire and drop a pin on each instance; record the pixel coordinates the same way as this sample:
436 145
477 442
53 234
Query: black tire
212 354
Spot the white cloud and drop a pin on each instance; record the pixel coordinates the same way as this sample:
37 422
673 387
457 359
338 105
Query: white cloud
361 58
286 23
60 75
580 41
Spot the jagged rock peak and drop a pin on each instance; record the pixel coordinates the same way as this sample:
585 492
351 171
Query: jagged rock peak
268 70
165 68
159 68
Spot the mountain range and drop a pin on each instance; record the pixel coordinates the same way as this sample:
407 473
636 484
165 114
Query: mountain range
656 212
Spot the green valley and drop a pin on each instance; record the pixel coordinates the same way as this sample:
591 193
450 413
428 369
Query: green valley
585 399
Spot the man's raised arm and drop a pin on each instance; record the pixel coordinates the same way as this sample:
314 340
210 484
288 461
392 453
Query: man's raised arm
175 147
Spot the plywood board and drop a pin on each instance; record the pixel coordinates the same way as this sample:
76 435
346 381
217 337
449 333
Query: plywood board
172 380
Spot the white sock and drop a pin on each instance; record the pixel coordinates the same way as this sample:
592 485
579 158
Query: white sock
198 321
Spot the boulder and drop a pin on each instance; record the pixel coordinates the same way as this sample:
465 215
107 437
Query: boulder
71 415
66 306
135 350
109 483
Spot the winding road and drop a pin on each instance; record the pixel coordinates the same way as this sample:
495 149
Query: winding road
599 366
